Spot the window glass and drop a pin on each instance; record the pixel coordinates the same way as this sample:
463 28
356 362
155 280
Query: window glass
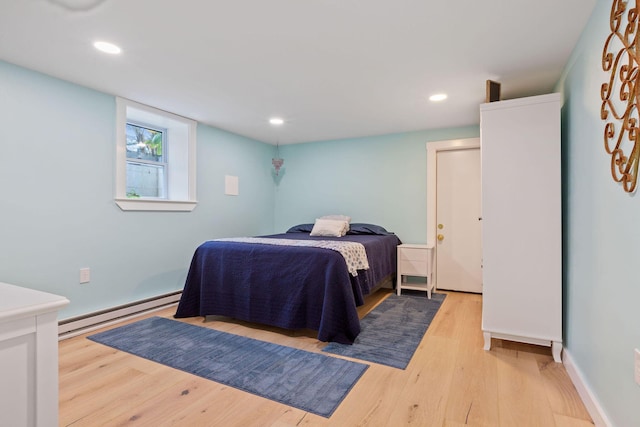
144 143
145 180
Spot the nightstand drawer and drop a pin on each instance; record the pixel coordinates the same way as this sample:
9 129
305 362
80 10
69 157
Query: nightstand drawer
413 254
411 267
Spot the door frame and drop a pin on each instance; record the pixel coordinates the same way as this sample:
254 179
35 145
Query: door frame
432 176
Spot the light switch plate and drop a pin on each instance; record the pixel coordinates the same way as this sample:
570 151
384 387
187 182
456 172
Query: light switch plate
231 185
85 275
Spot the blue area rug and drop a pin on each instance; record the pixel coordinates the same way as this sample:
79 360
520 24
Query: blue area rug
309 381
392 331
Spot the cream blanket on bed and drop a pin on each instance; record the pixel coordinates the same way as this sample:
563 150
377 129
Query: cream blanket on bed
353 252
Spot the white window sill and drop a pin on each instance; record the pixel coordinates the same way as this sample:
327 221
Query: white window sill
156 205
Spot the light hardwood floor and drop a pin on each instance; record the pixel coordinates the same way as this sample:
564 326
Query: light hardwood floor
450 382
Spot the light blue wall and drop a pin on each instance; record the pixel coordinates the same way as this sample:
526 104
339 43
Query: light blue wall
379 179
57 186
57 214
601 237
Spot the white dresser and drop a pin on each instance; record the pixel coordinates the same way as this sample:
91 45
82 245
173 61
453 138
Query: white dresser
28 356
415 260
522 221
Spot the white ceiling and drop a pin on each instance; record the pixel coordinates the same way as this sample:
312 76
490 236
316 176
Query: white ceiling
331 68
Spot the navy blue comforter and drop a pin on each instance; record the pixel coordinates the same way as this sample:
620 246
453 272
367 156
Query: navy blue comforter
286 286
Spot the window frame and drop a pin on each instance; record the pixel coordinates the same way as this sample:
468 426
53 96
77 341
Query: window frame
180 140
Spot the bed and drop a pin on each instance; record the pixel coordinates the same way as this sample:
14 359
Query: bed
292 287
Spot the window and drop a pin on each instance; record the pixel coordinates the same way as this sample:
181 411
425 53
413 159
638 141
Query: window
155 165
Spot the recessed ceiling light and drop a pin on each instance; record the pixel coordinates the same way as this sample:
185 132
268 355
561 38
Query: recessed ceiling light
438 97
276 121
107 47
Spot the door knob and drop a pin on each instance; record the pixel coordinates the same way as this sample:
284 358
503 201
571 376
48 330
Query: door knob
440 237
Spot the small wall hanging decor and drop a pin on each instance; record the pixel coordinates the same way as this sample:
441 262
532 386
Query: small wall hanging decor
277 161
620 95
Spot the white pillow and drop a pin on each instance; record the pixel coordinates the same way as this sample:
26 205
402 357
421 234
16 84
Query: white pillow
329 227
339 218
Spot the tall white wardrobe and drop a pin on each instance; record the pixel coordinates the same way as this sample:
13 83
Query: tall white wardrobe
522 221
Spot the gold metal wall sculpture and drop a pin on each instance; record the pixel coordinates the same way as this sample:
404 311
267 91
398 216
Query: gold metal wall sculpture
621 94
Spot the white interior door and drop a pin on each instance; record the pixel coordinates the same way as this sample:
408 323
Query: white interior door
458 227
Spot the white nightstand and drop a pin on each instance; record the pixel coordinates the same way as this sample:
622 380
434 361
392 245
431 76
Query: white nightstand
415 260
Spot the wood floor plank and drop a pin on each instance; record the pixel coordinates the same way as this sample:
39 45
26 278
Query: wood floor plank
86 397
101 409
562 394
522 396
422 400
565 421
162 407
450 381
475 400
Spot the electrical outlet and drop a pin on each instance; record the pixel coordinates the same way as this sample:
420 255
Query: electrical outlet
85 275
637 366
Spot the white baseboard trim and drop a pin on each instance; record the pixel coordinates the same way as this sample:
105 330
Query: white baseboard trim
598 415
74 326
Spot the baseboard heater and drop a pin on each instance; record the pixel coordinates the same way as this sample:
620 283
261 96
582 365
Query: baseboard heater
73 326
